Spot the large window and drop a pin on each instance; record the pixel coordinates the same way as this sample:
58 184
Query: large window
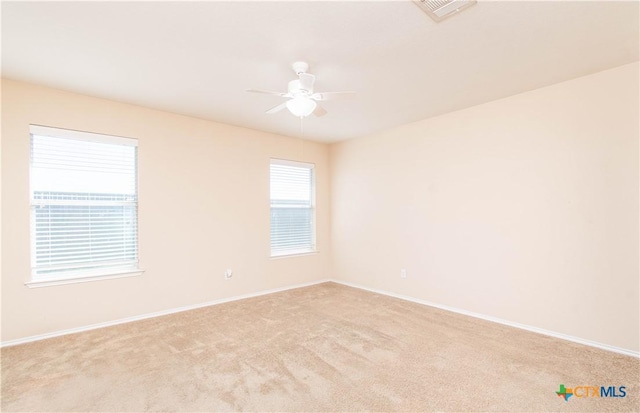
84 205
292 208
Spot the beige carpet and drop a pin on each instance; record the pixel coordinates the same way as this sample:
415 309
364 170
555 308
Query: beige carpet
321 348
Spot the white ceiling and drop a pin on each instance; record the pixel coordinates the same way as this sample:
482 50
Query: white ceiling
197 58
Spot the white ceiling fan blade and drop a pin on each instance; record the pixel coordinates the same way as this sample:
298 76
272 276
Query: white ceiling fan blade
306 81
277 108
320 111
268 92
332 95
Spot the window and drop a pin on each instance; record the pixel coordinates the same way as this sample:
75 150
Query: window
84 205
292 208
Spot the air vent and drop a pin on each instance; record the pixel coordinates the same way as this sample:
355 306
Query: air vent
439 10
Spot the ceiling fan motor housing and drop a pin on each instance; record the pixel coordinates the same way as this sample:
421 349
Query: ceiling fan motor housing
296 89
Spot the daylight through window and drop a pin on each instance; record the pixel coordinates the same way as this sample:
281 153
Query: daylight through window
292 208
84 204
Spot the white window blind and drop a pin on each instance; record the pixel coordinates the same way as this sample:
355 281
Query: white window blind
292 208
84 203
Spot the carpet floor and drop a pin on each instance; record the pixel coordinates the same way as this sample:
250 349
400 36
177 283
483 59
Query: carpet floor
322 348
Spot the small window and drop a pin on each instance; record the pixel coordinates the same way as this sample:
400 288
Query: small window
84 205
292 208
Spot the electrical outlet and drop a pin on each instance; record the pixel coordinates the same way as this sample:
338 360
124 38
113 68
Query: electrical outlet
228 274
403 273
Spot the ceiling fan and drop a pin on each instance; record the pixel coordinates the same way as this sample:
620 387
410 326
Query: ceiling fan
302 101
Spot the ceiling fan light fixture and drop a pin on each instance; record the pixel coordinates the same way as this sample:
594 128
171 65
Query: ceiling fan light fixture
301 106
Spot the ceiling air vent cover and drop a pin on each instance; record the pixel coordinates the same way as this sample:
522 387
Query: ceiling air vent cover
439 10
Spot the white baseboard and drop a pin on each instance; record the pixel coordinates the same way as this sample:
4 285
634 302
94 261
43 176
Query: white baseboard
292 287
497 320
154 314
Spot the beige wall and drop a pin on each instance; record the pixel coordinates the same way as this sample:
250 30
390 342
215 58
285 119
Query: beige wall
525 209
204 207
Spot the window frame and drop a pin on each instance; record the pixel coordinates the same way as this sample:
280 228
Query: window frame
312 206
64 276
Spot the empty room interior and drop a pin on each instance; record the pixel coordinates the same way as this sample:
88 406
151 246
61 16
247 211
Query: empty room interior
427 205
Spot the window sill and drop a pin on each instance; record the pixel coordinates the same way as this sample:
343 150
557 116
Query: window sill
293 254
81 279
